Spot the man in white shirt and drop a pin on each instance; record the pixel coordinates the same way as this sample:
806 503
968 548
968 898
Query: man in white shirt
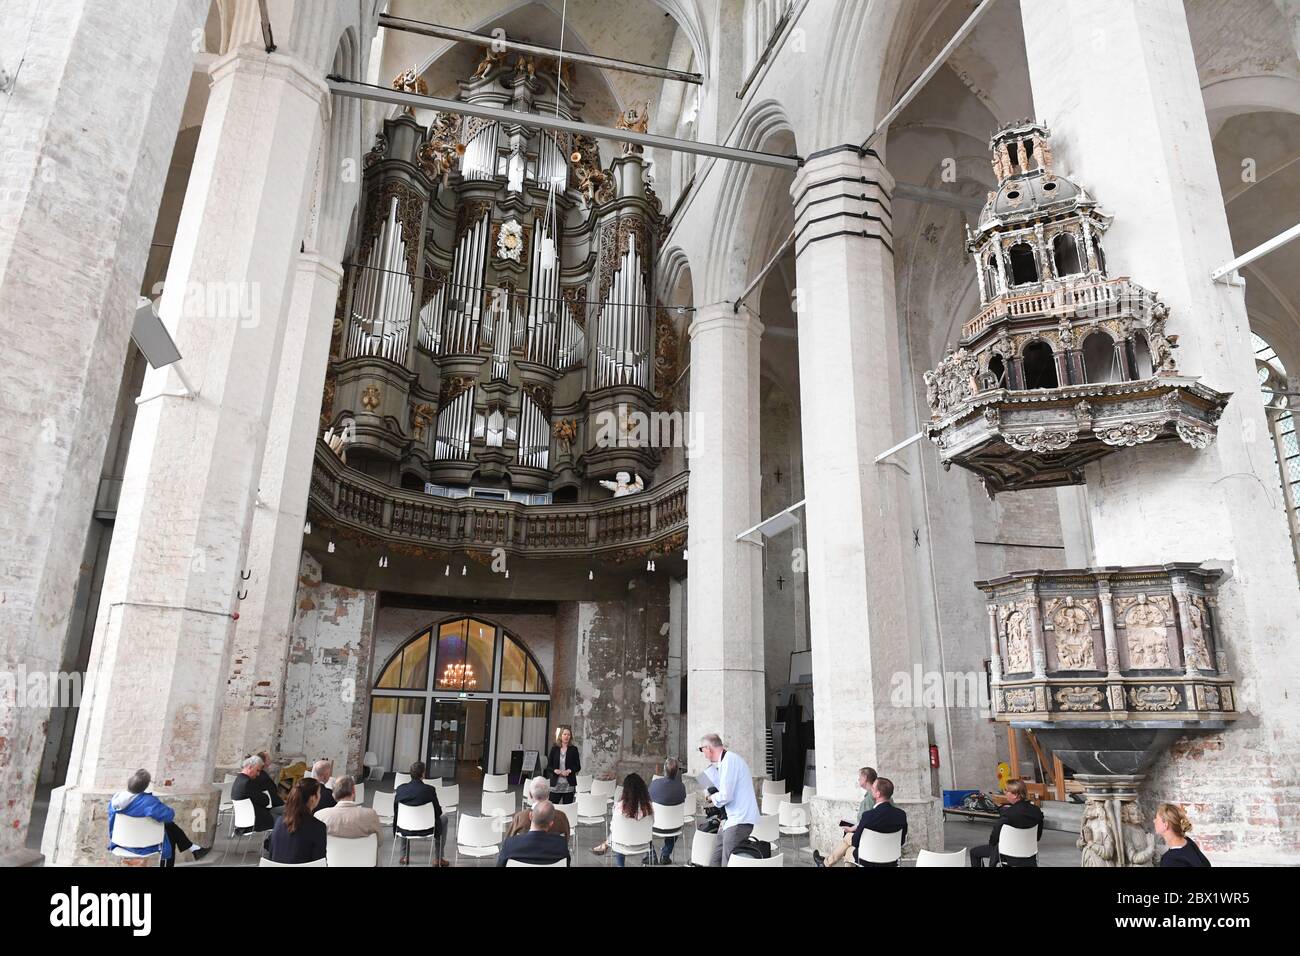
734 792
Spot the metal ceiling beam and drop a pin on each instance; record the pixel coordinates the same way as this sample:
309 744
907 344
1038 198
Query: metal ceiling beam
380 94
466 36
1224 272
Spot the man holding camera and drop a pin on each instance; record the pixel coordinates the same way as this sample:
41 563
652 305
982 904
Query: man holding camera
732 790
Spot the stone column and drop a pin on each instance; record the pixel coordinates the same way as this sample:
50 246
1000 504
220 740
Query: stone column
161 650
1117 83
725 683
860 564
995 656
87 141
252 705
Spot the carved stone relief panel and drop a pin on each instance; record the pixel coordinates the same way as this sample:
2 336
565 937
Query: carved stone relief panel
1074 622
1146 623
1015 631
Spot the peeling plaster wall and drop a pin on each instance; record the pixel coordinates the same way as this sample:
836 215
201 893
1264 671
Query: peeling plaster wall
326 691
619 651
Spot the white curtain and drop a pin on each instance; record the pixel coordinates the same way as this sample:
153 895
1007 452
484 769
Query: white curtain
509 737
382 727
407 750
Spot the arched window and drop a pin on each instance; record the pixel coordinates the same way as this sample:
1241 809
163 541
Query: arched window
998 370
991 275
1024 267
1099 364
484 697
1142 365
1039 366
1065 252
1286 447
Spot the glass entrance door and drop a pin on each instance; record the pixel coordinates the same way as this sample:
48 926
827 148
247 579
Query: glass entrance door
458 740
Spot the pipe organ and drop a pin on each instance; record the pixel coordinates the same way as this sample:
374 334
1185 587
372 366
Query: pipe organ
524 265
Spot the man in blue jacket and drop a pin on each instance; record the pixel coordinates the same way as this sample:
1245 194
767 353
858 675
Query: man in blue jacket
134 801
884 817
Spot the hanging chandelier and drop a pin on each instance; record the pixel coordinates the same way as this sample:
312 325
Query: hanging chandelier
459 675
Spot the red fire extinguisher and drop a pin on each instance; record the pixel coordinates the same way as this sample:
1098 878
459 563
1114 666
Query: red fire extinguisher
934 756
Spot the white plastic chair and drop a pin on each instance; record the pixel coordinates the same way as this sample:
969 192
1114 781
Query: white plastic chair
582 782
702 848
772 803
510 863
807 795
775 786
496 804
768 828
242 823
670 821
477 837
352 851
400 778
415 818
225 806
373 770
360 796
603 789
384 806
448 798
496 782
737 860
1017 842
875 847
137 831
570 810
792 819
631 837
930 858
591 812
265 862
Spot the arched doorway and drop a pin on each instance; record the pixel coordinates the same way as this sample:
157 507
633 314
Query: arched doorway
483 698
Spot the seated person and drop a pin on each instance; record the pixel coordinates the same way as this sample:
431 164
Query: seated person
347 818
298 836
321 772
134 801
866 780
253 783
1017 812
1172 826
277 791
884 817
417 793
539 789
538 845
668 791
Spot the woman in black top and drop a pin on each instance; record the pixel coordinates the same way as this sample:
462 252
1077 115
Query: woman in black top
563 764
1172 826
298 836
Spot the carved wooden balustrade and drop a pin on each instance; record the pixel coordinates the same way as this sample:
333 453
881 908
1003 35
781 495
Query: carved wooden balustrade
653 521
1080 300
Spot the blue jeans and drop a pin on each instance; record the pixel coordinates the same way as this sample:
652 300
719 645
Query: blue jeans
667 854
621 860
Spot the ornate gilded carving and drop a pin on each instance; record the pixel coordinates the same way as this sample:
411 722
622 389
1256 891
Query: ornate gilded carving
410 213
1042 440
1014 619
665 358
1079 698
541 396
1074 644
1020 700
1147 629
421 418
509 242
1198 438
370 397
575 298
442 149
1128 434
452 387
1197 646
566 433
635 119
1154 697
951 383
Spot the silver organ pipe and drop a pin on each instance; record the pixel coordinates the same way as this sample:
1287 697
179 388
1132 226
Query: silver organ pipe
464 301
430 319
499 334
454 422
384 296
622 338
479 161
552 162
543 303
534 435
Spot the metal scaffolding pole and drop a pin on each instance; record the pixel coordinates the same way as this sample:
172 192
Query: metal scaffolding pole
381 94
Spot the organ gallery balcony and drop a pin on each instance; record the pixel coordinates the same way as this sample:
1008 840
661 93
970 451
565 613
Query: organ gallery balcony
355 506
